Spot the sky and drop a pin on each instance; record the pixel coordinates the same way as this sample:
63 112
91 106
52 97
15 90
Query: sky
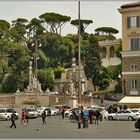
103 13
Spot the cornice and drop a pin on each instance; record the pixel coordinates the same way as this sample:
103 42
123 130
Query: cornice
130 54
109 42
128 10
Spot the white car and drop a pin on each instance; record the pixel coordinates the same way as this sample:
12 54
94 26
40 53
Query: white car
128 114
5 113
32 112
41 109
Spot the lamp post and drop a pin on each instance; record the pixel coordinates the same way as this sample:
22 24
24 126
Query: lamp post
79 73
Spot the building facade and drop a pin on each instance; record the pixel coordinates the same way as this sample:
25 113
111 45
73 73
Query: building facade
108 54
131 48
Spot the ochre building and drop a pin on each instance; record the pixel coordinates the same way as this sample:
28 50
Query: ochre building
131 48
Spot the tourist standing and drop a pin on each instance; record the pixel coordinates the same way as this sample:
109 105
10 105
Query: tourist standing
63 113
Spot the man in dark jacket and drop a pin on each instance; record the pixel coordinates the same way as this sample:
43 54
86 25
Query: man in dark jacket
43 115
97 115
13 118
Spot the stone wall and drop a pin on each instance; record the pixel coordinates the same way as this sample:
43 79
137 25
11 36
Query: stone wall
7 100
23 100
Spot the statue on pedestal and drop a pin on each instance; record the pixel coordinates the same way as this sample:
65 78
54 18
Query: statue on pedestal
34 85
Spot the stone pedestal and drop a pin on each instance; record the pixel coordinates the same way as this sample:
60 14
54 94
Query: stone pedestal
73 102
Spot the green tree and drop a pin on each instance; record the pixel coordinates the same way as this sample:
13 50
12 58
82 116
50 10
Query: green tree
4 38
92 65
54 22
105 78
18 62
35 28
58 72
119 50
107 31
84 23
45 77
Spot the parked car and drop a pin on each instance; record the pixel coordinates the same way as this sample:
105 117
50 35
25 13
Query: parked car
5 113
58 109
40 110
110 98
50 111
137 124
128 114
47 109
32 112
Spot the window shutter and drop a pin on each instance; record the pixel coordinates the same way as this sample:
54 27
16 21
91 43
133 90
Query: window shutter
128 22
132 44
129 84
138 21
138 84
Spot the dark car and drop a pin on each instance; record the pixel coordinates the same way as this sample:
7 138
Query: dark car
137 124
110 98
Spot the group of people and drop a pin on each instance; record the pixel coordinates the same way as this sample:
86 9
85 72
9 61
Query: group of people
92 115
25 118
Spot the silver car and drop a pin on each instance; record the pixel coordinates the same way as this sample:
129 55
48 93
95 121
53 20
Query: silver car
128 114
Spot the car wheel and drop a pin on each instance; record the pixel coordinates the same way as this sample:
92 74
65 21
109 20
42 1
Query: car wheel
71 117
8 118
66 115
130 118
110 118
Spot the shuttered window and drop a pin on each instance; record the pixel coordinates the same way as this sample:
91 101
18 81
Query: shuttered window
134 44
133 84
133 22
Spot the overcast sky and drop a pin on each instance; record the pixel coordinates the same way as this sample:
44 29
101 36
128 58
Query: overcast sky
103 13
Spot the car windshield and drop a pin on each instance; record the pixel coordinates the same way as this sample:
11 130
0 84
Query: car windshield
135 110
2 110
30 109
10 110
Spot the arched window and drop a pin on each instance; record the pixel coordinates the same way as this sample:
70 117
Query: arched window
103 51
112 51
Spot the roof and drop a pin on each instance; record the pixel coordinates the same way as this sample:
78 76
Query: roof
130 99
136 4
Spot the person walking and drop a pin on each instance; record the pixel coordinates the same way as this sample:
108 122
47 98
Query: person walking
43 115
63 113
13 118
90 117
27 116
23 117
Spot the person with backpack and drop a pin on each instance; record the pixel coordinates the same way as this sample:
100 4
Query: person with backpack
13 118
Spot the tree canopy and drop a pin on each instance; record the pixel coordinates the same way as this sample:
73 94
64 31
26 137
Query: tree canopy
84 23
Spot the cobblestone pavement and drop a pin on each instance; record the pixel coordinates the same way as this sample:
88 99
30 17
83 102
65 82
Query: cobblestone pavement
56 128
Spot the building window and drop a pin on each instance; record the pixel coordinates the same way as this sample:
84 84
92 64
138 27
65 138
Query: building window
133 67
134 44
134 84
103 51
133 22
112 51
